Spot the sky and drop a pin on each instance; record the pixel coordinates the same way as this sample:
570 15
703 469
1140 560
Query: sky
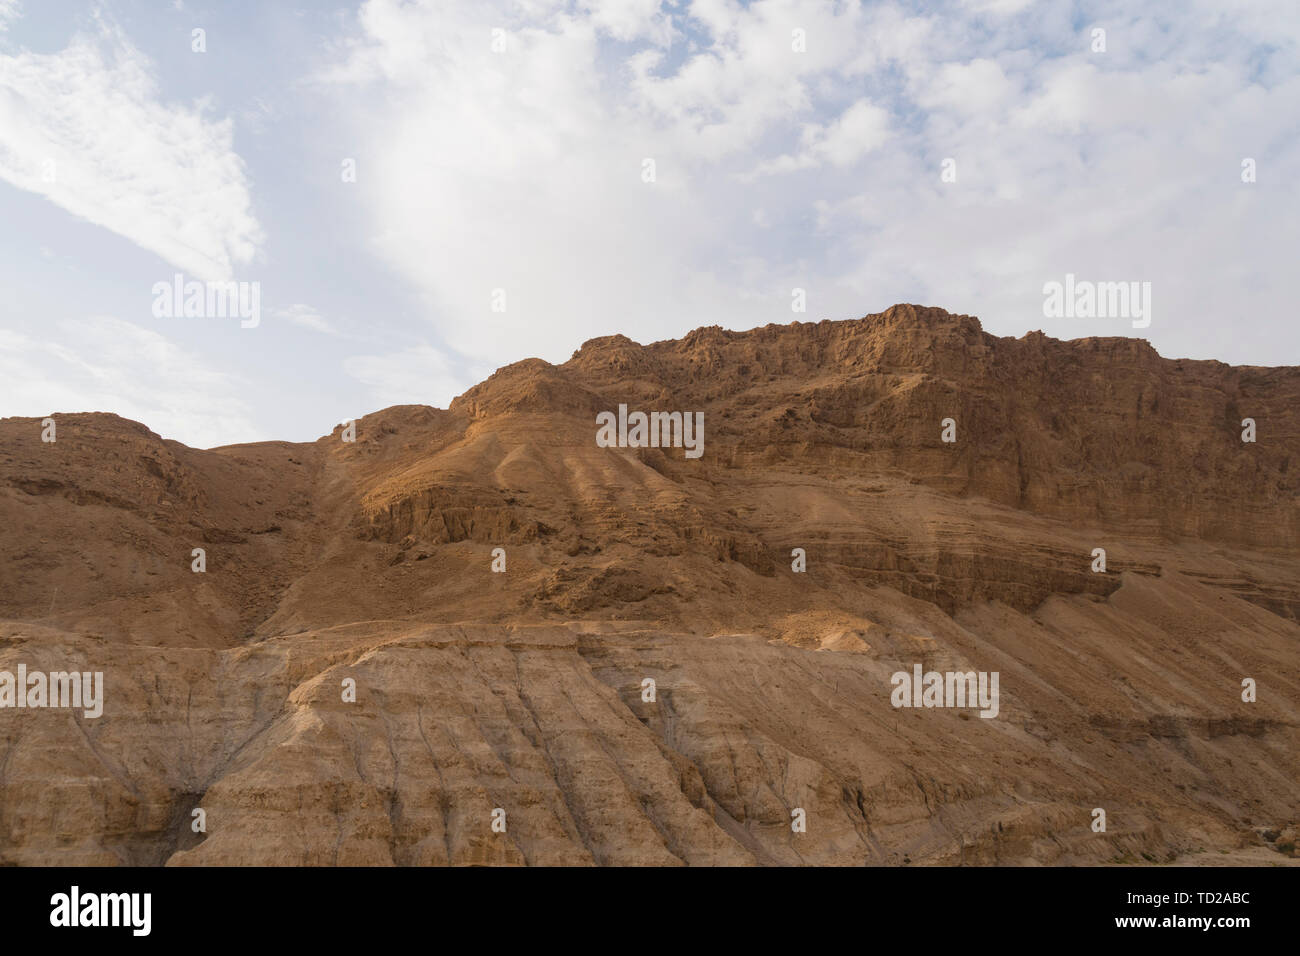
418 193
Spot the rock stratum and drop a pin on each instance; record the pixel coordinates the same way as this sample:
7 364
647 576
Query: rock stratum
522 690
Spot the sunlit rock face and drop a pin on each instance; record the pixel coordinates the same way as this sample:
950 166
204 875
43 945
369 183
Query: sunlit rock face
483 636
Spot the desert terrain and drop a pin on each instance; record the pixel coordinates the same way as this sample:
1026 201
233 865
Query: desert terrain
370 562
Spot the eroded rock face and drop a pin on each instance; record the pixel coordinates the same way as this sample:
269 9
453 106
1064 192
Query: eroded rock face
370 564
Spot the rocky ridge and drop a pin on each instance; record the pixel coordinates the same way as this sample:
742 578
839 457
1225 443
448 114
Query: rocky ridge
371 560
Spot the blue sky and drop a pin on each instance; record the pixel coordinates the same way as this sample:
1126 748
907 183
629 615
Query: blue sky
795 145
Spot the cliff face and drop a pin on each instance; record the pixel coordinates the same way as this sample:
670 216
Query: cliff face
523 690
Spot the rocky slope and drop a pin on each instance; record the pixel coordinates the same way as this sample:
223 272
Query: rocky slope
523 690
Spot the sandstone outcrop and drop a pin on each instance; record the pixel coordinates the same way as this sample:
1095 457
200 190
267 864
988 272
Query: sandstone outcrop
371 561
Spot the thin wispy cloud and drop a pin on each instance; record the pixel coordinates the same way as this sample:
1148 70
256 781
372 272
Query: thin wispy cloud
89 129
9 10
103 363
306 317
405 377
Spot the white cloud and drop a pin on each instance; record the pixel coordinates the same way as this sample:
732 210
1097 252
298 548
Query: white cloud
1002 7
861 129
305 316
9 10
969 89
86 129
521 171
421 375
632 19
105 364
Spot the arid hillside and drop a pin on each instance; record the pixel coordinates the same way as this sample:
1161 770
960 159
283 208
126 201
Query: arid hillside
501 712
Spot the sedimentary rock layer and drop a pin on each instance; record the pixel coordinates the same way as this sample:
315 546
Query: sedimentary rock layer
523 690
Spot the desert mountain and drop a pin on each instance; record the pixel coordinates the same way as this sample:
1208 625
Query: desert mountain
524 690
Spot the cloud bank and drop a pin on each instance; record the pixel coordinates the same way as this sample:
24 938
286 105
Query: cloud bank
548 172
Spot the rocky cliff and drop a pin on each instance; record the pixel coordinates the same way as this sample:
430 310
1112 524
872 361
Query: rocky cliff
519 698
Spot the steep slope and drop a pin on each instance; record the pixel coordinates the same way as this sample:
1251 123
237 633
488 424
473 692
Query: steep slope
523 690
